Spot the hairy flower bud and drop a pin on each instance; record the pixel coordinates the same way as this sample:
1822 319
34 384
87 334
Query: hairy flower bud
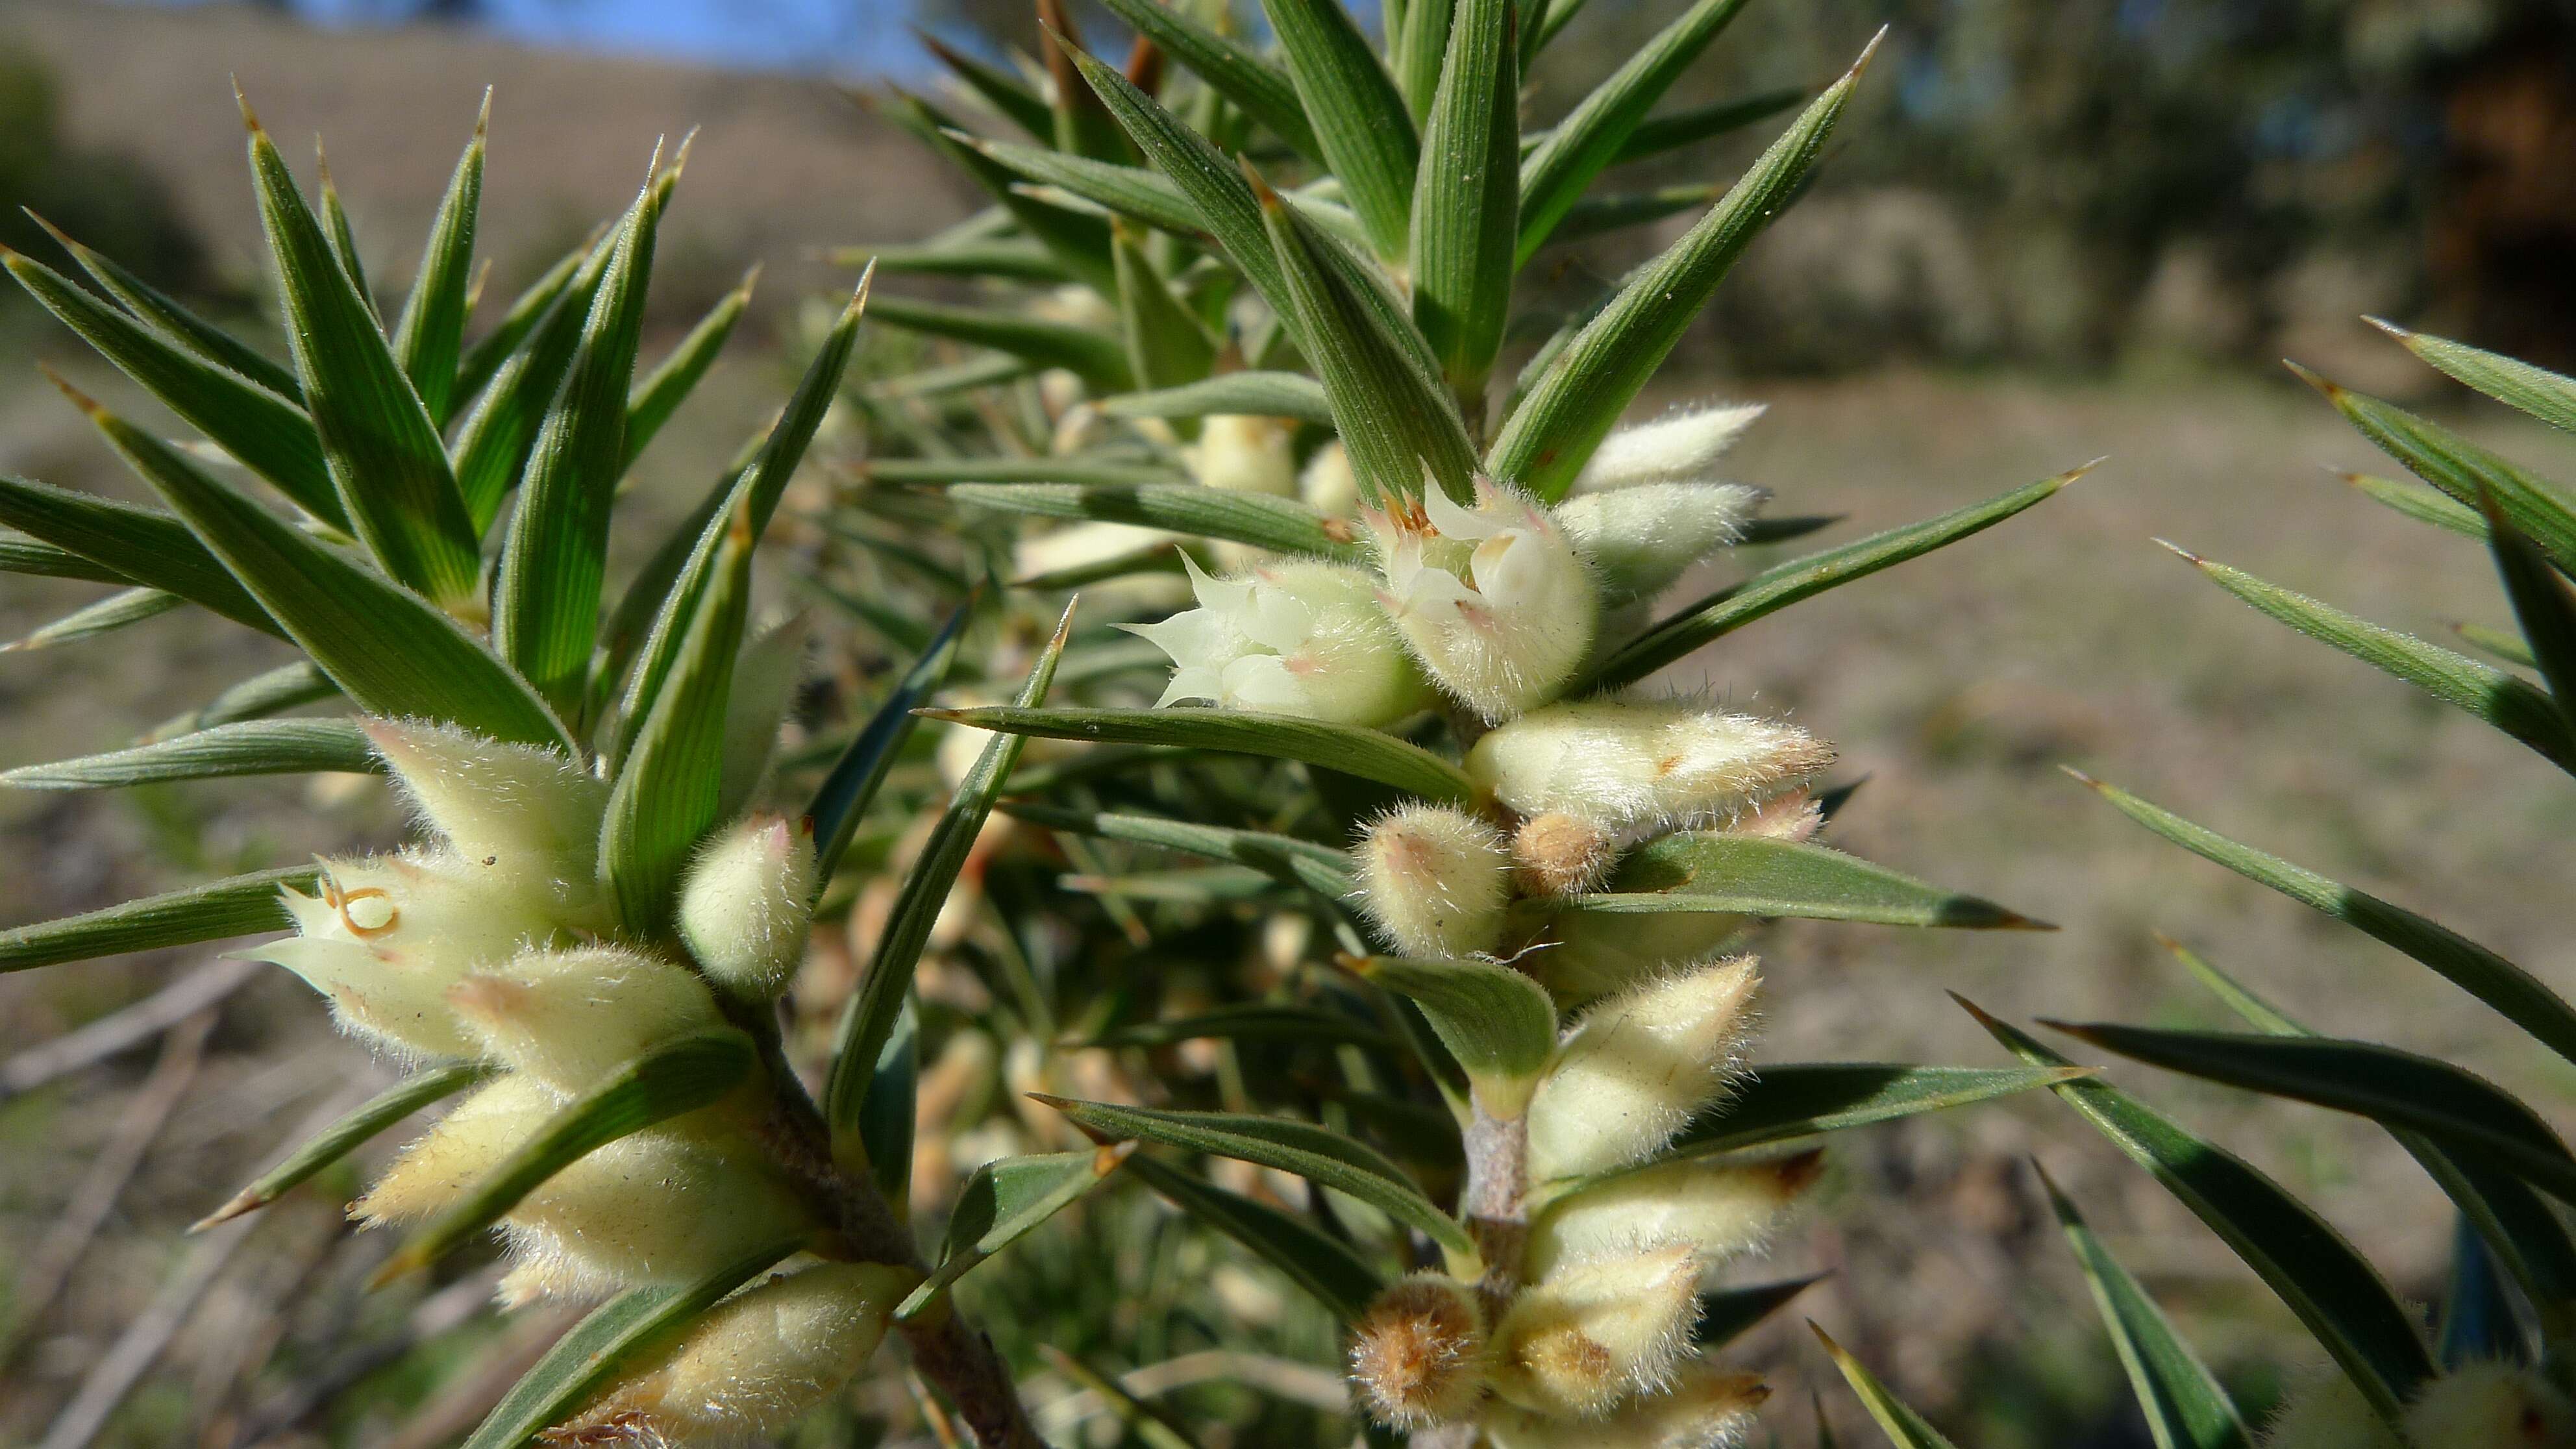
1598 1330
1639 1065
570 1018
751 1368
1296 637
1719 1207
1682 446
532 815
1330 485
385 936
1596 953
2327 1412
1493 599
1434 881
747 903
1559 854
1244 453
764 684
1705 1408
1640 540
1630 766
1418 1353
2493 1406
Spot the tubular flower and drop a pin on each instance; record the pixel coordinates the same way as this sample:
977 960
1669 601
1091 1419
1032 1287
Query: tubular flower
1295 637
1630 766
1492 599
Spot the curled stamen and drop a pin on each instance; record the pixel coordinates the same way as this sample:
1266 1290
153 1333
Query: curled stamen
341 901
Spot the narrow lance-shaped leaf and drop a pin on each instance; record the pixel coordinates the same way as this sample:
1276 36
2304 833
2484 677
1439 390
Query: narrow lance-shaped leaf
2461 468
1365 753
2184 1405
363 1124
384 454
240 905
1080 243
1785 1102
1727 1313
680 1075
385 646
1553 432
1318 868
870 1017
1233 70
159 309
1359 119
1497 1022
270 692
1005 1201
1592 138
1752 875
1466 200
1282 525
2332 1288
1670 132
120 610
264 432
1279 394
483 357
1079 124
846 792
888 1118
2511 705
493 443
1318 1154
2419 501
2545 395
659 393
587 1359
546 588
1321 1265
430 334
1777 587
22 554
1904 1428
998 88
140 545
2521 997
1094 357
1166 346
261 747
343 237
2541 603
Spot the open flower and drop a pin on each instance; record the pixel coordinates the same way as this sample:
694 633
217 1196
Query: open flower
1493 599
1297 637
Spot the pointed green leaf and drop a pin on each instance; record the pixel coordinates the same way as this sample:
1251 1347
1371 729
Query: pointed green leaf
1006 93
342 237
2332 1288
2545 395
2541 604
846 792
870 1016
659 393
1418 38
2511 705
1466 200
500 431
1321 1265
141 545
676 1077
1595 215
1754 875
363 1124
385 646
1904 1428
430 334
1318 1154
1282 525
265 747
271 692
888 1117
2521 997
1077 471
264 432
2500 644
1148 196
1727 1313
546 588
2540 508
2388 1086
384 455
241 905
1005 1201
119 610
1784 584
1498 1023
1689 126
586 1360
21 554
984 260
1594 136
1094 357
482 359
1080 127
2184 1405
1366 753
158 308
1552 433
1808 1099
2420 501
1269 394
1235 71
1318 868
1079 243
1166 346
1360 121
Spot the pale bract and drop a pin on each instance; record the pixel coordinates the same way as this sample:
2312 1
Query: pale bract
1493 598
1294 637
1682 446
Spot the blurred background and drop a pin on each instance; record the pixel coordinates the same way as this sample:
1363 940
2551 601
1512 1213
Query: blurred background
2054 229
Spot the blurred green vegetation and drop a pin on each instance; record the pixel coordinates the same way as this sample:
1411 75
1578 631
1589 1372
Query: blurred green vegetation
109 200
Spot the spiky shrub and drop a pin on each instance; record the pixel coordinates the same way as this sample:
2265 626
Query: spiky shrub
590 937
1239 336
2497 1368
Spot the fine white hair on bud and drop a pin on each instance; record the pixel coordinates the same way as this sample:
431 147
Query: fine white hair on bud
1720 1208
385 936
1298 637
1682 446
1598 1330
1631 766
764 684
1595 953
570 1018
1435 881
1637 1067
1790 815
762 1360
747 903
1492 599
1704 1408
1559 854
2327 1412
438 1166
1641 540
1418 1354
2493 1406
532 814
1330 485
1244 453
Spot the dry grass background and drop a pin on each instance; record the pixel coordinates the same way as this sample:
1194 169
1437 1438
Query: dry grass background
1957 685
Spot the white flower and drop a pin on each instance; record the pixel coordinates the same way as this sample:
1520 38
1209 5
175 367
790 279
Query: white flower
1682 446
1641 539
1297 637
1492 599
1244 453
